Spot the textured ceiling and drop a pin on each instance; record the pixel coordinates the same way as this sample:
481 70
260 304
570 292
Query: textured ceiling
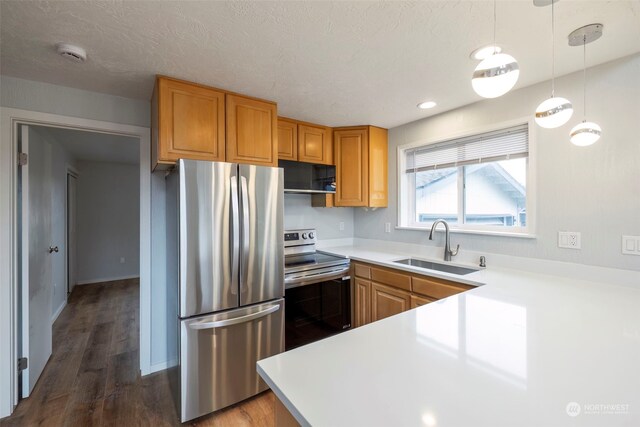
94 146
334 63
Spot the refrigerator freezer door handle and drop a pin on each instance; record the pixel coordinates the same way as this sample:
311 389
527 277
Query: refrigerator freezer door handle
245 233
235 320
235 255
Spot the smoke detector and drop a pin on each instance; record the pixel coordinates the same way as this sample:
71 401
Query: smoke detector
72 52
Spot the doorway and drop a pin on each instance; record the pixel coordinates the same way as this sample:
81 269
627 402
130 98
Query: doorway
80 226
10 250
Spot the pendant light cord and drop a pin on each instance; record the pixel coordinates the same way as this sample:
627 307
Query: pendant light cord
553 51
584 76
494 27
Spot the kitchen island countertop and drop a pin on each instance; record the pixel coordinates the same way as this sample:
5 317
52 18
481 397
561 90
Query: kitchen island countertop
524 349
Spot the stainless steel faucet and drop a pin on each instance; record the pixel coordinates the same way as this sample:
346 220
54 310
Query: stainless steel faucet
448 253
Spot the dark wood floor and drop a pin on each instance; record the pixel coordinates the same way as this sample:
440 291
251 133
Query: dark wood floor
93 376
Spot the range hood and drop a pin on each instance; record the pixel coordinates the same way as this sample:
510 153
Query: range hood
308 178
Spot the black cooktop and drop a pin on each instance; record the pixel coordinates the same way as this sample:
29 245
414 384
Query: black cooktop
311 261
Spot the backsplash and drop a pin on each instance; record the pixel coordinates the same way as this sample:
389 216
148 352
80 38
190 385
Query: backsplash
298 213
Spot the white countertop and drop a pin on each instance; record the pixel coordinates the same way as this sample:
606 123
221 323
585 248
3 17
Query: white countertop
514 352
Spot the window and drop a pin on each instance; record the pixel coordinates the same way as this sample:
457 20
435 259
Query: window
475 183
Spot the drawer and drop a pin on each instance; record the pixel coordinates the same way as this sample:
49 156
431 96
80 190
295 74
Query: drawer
417 300
435 288
363 271
391 278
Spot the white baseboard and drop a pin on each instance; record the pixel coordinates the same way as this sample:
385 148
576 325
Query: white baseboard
58 311
161 366
106 279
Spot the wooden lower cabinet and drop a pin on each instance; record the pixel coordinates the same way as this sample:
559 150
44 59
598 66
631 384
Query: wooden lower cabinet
381 292
282 416
387 301
362 290
417 300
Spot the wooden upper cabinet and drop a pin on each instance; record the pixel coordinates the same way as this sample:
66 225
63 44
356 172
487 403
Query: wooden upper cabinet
252 131
378 167
360 155
315 144
287 139
351 152
304 142
187 122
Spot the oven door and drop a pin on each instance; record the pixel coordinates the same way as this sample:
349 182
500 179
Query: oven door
317 310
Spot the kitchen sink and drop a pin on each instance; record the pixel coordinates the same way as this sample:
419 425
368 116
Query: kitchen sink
430 265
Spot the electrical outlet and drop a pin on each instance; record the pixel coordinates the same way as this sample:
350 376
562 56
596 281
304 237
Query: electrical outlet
631 245
387 227
341 225
569 239
121 260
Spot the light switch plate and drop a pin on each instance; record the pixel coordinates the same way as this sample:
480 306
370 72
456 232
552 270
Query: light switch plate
631 245
341 225
569 239
387 227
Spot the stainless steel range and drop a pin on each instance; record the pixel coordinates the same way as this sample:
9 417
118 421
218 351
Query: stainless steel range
317 290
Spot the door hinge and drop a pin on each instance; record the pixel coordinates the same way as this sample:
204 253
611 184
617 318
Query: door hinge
23 159
22 363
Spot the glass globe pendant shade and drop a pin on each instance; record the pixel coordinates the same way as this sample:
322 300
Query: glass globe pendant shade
495 75
585 133
553 112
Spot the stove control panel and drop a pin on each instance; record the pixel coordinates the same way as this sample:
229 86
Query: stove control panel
300 237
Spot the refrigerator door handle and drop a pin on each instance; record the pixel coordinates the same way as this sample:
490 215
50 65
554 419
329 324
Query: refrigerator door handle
235 320
235 255
245 233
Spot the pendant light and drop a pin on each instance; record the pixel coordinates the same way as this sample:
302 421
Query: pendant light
555 111
497 74
585 133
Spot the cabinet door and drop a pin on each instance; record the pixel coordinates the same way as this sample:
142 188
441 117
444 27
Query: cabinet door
417 301
314 144
387 301
190 122
352 160
251 131
363 302
437 288
378 167
287 140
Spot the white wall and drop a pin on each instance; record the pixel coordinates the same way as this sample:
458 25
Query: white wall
298 213
594 190
108 206
66 101
76 108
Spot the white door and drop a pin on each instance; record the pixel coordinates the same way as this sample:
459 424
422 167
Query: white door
71 231
37 250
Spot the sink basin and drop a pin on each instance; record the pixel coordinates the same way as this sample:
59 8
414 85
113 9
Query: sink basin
453 269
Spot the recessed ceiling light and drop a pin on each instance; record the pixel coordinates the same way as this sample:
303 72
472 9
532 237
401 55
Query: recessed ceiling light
71 52
485 52
426 105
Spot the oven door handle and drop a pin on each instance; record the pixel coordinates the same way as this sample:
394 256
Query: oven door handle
309 279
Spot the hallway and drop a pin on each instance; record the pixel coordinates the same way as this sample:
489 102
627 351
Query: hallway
92 377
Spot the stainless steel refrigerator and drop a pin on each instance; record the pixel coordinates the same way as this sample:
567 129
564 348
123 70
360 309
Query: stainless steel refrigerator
225 259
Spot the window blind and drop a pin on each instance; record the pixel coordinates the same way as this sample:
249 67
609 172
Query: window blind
504 144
